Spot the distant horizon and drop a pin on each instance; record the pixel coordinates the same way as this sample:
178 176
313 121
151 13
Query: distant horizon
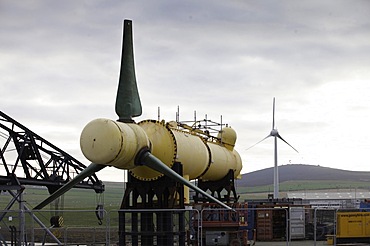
290 164
306 165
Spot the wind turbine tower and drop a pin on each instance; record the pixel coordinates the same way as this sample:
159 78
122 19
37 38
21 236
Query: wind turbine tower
275 134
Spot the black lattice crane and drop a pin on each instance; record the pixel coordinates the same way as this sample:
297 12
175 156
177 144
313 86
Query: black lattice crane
28 159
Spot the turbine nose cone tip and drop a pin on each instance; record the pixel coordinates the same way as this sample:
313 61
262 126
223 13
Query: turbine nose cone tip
100 141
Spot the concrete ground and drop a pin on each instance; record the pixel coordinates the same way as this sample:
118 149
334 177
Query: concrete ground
292 243
303 243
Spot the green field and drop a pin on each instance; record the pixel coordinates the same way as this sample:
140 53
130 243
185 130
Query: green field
81 203
76 206
112 197
81 199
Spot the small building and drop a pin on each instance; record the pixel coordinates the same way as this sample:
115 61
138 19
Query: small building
349 199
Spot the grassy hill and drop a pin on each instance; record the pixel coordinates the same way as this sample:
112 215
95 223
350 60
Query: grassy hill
297 177
301 172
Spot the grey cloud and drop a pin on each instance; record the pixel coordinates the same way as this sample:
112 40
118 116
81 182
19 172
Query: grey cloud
60 62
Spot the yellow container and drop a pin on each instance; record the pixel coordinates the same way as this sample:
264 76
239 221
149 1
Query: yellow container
330 239
353 224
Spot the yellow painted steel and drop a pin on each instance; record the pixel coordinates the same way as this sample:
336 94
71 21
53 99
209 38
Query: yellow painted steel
228 137
222 160
199 158
112 143
186 191
108 142
192 152
170 145
223 156
353 225
162 145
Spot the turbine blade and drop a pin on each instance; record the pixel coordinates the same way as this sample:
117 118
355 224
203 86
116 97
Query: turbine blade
91 169
273 114
128 103
286 142
153 162
259 142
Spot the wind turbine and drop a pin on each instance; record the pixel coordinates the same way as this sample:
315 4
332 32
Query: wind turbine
275 134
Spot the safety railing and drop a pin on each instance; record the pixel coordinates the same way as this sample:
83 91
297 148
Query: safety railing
293 225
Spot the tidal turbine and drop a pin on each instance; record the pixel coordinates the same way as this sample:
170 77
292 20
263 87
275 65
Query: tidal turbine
124 144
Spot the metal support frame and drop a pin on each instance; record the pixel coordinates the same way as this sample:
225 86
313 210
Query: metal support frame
227 183
156 225
28 159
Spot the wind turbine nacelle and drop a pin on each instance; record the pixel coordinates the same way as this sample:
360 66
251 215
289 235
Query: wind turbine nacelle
274 133
113 143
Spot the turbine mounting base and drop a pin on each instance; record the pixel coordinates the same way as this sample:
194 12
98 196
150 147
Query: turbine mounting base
227 184
151 224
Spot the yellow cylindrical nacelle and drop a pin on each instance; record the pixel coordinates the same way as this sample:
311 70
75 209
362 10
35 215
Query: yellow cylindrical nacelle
192 152
170 145
199 158
223 156
222 160
112 143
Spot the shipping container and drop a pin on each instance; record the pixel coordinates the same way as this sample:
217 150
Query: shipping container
353 227
297 222
251 222
264 225
271 221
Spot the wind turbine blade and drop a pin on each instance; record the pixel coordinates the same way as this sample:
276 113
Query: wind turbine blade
286 142
259 142
153 162
273 114
91 169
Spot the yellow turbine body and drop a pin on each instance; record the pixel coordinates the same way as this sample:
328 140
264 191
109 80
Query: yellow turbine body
209 161
117 144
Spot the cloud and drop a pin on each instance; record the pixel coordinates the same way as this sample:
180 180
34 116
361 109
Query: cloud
60 67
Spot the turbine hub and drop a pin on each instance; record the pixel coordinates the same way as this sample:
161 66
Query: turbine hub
112 143
274 132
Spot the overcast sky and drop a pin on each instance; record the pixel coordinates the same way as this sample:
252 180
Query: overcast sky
59 67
